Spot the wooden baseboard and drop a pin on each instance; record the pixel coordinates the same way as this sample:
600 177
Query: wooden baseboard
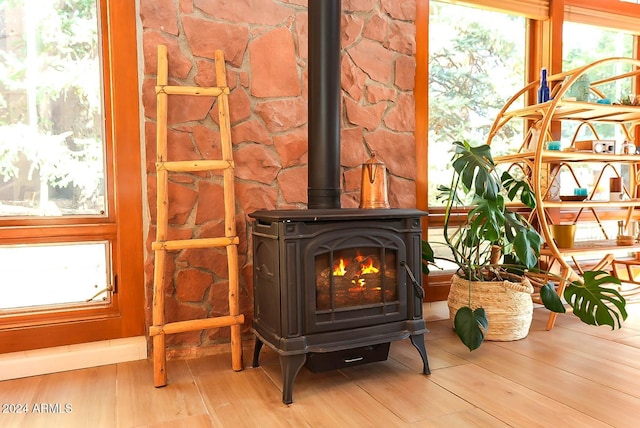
16 365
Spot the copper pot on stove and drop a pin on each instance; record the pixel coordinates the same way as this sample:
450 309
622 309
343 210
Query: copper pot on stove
373 191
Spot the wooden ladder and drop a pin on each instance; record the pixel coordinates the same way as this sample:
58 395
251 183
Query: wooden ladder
161 245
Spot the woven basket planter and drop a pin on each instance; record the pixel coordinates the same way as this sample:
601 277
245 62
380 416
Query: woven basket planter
508 305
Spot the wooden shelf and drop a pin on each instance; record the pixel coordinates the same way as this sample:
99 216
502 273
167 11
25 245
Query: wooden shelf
559 156
580 111
592 204
553 156
581 248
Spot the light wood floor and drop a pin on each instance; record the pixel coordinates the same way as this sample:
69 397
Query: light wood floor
572 376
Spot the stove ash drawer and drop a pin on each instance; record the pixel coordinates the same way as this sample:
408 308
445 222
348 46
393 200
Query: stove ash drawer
323 361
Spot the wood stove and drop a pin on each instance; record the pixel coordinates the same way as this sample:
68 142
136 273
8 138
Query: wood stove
333 287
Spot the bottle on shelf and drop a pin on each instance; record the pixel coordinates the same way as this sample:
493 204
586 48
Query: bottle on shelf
543 89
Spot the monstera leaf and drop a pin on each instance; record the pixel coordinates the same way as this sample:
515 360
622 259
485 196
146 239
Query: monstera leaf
476 169
595 304
550 299
514 186
525 240
487 218
527 246
471 326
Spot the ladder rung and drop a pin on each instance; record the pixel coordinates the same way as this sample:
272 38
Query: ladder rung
192 325
195 243
191 90
194 165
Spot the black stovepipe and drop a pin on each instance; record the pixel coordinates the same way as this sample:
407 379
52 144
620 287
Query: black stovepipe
324 104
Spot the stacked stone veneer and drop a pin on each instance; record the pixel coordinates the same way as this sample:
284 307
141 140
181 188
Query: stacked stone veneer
265 46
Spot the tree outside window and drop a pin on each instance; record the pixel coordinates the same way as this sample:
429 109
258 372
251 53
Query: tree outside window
51 144
476 63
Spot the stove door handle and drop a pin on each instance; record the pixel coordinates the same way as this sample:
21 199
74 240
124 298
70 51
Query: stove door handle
417 287
263 269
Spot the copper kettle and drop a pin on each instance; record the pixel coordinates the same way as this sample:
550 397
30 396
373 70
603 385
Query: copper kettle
373 192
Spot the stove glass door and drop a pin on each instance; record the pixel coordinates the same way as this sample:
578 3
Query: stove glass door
364 276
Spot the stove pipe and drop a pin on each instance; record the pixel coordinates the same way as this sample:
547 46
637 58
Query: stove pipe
324 103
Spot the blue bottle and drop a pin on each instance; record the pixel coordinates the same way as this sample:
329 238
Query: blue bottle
543 89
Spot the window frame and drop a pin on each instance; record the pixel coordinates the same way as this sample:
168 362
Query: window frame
123 223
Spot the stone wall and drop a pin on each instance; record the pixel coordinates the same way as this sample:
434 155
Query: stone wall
265 46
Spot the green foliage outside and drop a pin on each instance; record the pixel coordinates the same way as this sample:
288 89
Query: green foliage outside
477 62
584 44
50 101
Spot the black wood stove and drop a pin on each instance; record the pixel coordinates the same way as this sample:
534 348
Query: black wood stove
333 287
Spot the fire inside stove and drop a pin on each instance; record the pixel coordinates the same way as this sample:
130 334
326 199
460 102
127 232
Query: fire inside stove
355 277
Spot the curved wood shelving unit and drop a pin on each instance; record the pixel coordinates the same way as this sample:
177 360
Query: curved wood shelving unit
538 163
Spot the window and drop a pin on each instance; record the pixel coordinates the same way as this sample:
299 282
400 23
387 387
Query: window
51 110
70 261
51 140
584 44
476 63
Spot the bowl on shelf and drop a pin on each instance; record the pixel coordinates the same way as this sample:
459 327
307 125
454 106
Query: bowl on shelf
625 240
573 198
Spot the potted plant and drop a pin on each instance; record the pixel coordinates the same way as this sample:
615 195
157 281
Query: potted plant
496 251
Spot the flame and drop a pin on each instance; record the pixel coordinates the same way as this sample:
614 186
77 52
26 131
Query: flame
366 267
370 268
340 269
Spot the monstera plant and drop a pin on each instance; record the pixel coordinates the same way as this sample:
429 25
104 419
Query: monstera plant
489 241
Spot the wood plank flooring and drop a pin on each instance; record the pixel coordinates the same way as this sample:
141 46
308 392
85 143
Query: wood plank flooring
572 376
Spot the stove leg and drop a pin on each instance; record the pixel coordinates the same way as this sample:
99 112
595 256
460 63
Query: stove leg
256 352
418 342
290 365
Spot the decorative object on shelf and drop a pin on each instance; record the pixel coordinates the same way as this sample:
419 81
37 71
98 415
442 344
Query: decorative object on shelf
580 191
490 223
622 238
573 198
534 139
630 100
582 89
628 148
615 189
554 145
543 89
563 234
596 146
635 230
